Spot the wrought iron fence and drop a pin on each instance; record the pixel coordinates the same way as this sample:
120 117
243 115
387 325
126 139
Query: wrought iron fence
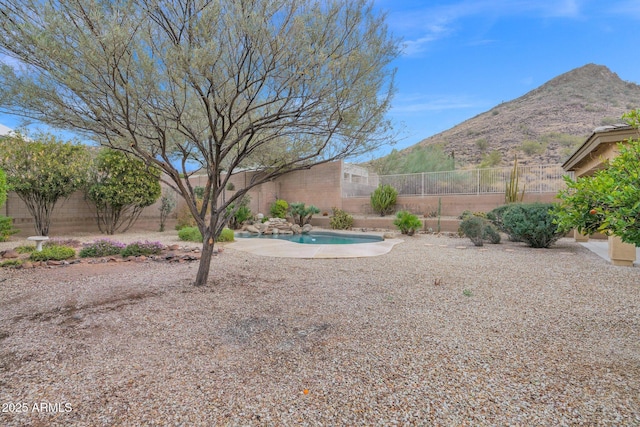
531 179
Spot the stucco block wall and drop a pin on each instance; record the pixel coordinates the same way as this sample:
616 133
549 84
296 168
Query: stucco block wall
451 205
318 186
75 215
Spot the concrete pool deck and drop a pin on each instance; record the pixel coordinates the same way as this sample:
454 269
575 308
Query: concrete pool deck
285 249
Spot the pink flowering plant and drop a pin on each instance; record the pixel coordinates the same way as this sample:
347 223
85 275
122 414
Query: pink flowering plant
101 247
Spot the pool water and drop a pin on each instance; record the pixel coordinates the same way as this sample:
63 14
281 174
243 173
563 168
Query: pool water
317 238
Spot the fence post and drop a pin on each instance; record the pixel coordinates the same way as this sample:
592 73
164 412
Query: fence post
540 179
478 178
423 184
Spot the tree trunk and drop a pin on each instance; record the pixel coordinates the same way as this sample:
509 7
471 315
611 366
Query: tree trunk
205 259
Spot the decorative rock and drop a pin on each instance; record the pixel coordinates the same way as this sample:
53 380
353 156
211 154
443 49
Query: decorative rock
10 254
388 236
27 264
306 228
173 247
296 229
252 229
54 262
170 256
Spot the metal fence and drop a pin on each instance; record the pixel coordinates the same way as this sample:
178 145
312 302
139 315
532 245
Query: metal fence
531 179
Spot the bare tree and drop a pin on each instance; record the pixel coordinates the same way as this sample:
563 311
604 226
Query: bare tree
276 85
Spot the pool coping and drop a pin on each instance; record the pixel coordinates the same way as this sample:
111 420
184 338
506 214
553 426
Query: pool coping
285 249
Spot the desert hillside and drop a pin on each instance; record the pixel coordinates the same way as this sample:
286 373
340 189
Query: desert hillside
543 126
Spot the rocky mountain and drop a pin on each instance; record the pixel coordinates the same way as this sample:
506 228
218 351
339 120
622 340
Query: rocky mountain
543 126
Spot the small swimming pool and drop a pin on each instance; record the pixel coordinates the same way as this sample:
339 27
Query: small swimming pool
317 238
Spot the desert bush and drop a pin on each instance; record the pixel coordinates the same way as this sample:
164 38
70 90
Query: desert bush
53 252
25 249
468 214
279 209
121 186
184 218
495 216
6 228
302 214
43 170
533 147
11 263
492 159
407 223
479 229
532 223
142 248
100 248
240 214
190 234
383 199
491 233
227 235
340 220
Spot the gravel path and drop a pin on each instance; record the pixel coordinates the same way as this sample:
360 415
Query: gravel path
437 332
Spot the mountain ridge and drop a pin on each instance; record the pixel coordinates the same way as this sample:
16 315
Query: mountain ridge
542 126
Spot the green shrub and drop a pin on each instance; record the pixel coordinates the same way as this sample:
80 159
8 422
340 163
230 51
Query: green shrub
383 199
100 248
473 228
533 147
468 214
495 216
532 223
242 213
6 228
302 214
227 235
25 249
279 209
407 223
340 220
142 248
53 252
479 229
11 263
190 234
491 233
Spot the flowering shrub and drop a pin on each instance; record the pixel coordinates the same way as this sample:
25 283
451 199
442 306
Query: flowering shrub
101 247
142 248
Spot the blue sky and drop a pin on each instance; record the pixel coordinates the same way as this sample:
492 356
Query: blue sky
461 58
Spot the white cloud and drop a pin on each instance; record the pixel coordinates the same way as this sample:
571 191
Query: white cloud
419 103
422 27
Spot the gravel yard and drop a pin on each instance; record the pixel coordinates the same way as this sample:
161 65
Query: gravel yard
437 332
